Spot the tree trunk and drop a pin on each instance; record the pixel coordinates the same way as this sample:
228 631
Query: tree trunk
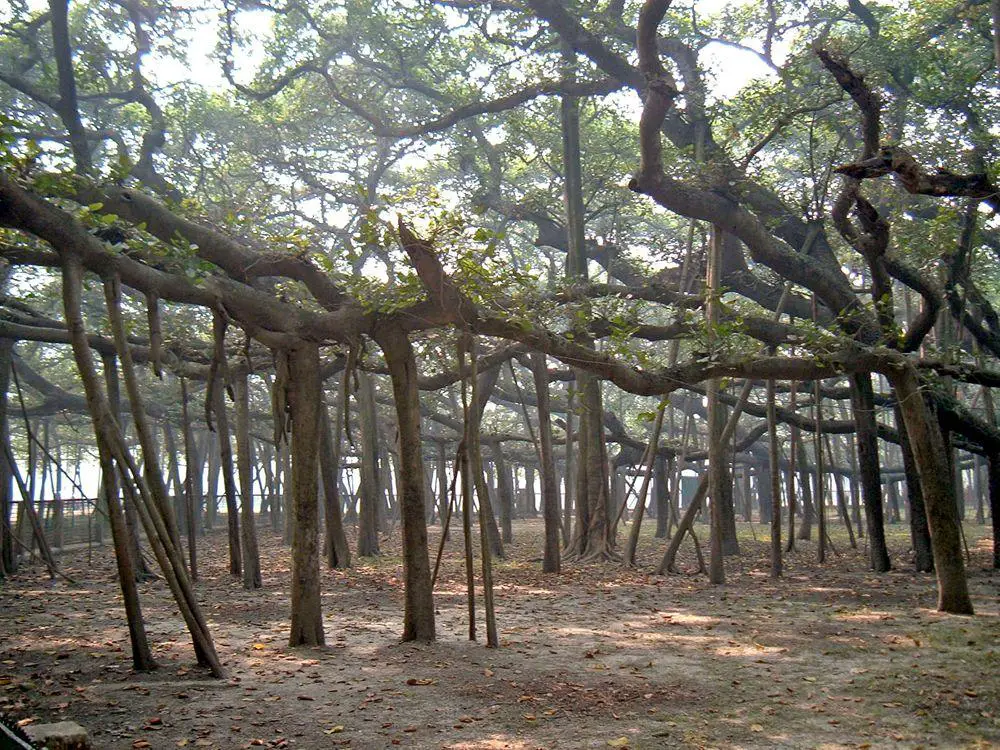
244 461
662 493
993 469
110 483
213 455
467 489
808 511
371 486
978 491
418 615
109 438
144 430
841 498
228 481
640 506
893 496
790 491
338 553
192 468
863 401
442 472
716 419
304 404
592 537
771 480
569 474
504 494
174 473
8 555
938 490
546 466
484 385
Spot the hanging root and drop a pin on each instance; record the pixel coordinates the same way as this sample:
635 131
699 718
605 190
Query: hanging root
155 333
279 396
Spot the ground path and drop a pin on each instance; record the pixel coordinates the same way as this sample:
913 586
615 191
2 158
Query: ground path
596 657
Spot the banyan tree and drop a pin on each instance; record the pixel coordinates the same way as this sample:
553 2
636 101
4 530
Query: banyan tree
423 246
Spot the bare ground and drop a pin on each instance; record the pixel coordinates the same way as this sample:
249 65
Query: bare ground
598 656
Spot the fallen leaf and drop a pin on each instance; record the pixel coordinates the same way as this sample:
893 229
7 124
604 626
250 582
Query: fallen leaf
334 730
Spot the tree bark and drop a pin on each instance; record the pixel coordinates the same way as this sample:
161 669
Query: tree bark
863 401
192 468
939 492
993 469
244 460
504 493
111 483
716 418
304 403
640 506
8 555
228 480
371 487
418 615
107 433
772 481
338 553
805 476
664 513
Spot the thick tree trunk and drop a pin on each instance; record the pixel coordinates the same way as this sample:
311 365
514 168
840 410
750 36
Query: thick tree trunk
592 538
244 461
938 490
304 403
418 615
863 401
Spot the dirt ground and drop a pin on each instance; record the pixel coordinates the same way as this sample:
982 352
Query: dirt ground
595 657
